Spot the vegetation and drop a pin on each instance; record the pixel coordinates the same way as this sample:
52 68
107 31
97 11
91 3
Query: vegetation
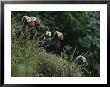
82 37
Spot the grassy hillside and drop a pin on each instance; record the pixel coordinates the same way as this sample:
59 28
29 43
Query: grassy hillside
28 59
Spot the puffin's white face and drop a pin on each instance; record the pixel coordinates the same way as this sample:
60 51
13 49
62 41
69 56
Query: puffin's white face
33 18
48 33
28 19
24 18
58 33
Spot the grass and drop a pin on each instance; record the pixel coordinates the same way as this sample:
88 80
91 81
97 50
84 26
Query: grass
30 60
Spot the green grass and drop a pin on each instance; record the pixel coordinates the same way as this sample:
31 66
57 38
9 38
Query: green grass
30 60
